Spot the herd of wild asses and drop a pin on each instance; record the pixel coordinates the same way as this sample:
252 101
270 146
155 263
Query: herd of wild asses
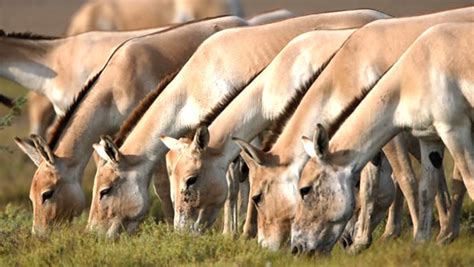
304 125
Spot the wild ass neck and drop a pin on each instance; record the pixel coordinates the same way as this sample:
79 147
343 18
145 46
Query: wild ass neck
371 127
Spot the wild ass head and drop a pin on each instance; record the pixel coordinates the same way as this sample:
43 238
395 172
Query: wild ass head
274 193
119 197
327 199
56 195
198 188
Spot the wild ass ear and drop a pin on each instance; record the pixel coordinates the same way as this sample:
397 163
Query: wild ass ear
27 146
318 147
308 146
43 149
107 150
250 154
172 143
201 138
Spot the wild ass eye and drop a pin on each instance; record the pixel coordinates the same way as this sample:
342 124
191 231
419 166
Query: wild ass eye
257 199
191 180
304 191
47 195
104 192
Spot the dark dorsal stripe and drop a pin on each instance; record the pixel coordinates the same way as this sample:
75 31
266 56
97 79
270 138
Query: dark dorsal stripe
28 36
277 127
60 125
6 101
349 109
142 107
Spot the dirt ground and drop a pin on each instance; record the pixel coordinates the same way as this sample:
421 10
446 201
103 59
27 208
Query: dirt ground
52 16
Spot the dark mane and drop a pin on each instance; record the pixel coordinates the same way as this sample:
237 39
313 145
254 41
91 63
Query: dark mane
60 125
279 124
218 108
141 108
6 101
28 36
349 109
225 101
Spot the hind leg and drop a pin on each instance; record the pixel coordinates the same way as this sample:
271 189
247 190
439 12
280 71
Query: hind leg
451 232
459 141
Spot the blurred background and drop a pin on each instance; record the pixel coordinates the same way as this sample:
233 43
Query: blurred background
52 16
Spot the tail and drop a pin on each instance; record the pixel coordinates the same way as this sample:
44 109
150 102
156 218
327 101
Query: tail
8 102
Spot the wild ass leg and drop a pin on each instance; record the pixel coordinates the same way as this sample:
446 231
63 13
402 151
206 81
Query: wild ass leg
376 194
397 154
161 185
459 141
443 200
250 225
230 206
244 189
393 228
431 160
458 191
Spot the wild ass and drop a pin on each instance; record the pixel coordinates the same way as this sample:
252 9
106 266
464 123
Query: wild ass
274 174
198 202
191 99
55 67
127 15
429 91
363 67
122 15
102 104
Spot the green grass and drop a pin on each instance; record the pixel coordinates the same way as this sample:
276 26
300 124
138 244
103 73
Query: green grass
158 244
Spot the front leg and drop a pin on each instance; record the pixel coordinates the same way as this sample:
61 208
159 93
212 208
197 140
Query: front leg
161 184
397 154
431 161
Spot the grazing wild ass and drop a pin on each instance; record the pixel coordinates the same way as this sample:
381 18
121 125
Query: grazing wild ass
305 56
130 73
274 174
122 15
55 67
227 62
127 15
363 67
429 90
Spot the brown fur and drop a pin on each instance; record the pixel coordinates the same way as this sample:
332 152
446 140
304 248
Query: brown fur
278 126
60 124
139 110
347 111
216 110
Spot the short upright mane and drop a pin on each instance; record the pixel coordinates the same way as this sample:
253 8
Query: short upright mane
28 36
139 111
278 126
349 109
219 107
